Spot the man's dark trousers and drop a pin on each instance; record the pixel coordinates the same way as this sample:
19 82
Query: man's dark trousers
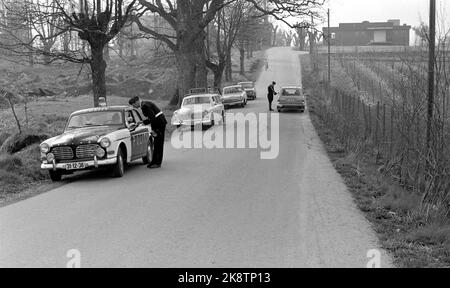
160 129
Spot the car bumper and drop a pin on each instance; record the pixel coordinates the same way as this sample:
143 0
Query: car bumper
291 105
191 122
233 102
88 164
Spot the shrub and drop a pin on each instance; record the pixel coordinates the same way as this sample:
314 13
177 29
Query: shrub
10 163
431 235
20 141
399 200
8 178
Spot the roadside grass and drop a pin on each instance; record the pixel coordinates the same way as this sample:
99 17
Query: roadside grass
412 238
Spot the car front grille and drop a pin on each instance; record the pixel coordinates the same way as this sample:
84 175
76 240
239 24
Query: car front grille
63 153
86 151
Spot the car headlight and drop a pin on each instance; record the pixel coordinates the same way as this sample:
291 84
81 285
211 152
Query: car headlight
50 157
100 153
45 148
105 142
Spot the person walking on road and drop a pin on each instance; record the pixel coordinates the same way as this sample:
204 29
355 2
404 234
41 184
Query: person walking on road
270 94
158 122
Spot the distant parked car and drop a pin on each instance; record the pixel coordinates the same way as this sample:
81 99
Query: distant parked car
291 98
204 109
98 137
234 95
249 88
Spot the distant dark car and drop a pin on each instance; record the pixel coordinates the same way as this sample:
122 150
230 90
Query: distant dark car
249 87
291 98
98 137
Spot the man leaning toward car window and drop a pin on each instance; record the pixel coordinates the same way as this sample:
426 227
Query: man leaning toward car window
158 122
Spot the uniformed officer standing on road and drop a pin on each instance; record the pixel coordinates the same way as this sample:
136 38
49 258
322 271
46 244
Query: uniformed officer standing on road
270 93
158 122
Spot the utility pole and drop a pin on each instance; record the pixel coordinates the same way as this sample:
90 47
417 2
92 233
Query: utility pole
431 72
329 51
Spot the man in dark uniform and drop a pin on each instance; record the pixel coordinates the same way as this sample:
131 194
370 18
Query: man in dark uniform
271 92
158 122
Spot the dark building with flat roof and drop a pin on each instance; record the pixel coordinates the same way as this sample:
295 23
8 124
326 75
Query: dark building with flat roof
367 33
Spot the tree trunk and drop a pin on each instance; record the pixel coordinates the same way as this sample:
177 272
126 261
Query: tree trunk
228 67
186 73
47 47
98 68
242 59
201 77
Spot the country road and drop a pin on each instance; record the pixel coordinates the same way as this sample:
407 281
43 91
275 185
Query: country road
204 207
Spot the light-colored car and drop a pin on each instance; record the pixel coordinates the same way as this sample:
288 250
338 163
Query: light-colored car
202 109
291 97
234 95
105 136
249 88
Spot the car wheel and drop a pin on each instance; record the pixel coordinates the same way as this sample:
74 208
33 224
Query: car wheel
56 176
119 167
279 110
149 156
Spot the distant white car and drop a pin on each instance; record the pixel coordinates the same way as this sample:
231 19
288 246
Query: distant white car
234 95
204 109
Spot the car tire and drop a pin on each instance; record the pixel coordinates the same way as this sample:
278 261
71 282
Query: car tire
55 176
279 110
119 167
149 156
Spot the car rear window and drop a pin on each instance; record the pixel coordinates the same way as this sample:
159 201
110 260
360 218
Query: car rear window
291 92
232 90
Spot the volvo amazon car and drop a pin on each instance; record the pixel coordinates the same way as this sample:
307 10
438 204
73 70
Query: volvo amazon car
234 95
291 98
203 109
249 88
107 137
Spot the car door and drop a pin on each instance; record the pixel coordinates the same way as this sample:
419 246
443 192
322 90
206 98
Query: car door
139 137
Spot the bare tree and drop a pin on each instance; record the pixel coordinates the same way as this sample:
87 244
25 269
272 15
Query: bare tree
189 19
97 22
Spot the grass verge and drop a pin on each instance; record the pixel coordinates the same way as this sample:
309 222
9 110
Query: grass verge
394 212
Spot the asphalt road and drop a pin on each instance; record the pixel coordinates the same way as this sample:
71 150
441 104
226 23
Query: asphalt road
204 208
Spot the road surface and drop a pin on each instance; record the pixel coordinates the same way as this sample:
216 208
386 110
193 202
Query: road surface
204 208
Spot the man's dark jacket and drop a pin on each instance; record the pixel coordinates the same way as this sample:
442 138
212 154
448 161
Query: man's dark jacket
150 110
271 92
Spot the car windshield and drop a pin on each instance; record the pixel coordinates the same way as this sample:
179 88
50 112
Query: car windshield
291 92
232 90
196 100
93 119
247 85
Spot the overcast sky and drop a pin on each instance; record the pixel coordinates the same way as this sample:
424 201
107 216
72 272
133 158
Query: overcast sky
410 12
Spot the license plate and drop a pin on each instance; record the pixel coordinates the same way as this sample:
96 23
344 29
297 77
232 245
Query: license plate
76 166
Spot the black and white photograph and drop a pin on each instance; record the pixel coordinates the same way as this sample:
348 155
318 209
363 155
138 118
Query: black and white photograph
224 139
